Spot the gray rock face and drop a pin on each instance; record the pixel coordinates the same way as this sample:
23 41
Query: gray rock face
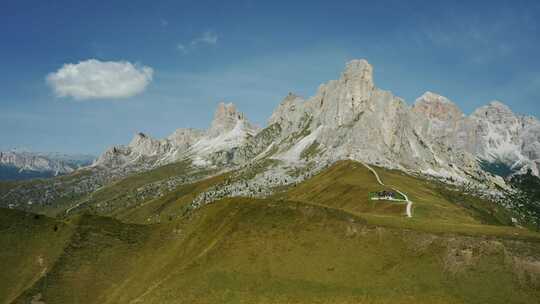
289 112
185 138
225 120
441 121
492 133
502 136
530 139
352 118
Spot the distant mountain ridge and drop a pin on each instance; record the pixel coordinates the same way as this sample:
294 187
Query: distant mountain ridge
18 165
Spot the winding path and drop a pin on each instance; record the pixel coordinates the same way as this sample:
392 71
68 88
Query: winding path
409 202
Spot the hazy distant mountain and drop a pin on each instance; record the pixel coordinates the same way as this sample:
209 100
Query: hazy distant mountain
19 165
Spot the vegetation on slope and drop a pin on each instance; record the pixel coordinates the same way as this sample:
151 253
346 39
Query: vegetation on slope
347 185
171 205
48 196
265 251
30 244
321 241
137 189
525 200
438 201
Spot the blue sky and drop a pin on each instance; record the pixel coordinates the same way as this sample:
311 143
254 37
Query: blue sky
251 53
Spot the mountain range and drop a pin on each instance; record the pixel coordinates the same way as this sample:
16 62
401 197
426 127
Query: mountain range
350 118
17 165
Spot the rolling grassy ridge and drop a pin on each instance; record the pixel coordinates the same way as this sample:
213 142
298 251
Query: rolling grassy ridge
30 246
321 241
263 251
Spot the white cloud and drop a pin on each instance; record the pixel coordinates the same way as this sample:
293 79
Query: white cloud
206 38
182 48
94 79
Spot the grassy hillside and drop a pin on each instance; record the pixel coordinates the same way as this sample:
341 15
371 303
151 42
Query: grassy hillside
5 186
526 200
265 251
321 241
347 184
117 193
169 206
30 244
135 190
46 187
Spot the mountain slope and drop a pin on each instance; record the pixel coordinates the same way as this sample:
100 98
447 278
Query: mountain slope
320 240
30 245
266 251
347 184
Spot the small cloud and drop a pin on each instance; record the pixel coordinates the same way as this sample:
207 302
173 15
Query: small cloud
206 38
94 79
182 48
163 22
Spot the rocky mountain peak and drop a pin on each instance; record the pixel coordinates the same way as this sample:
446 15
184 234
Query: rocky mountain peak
139 138
288 110
433 97
435 106
225 119
498 105
494 108
291 97
497 113
358 70
144 144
